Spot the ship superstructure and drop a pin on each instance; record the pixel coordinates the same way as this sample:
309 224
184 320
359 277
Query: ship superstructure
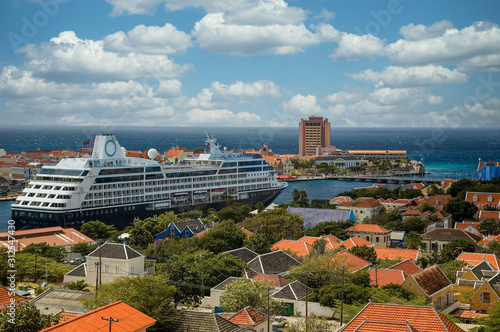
117 189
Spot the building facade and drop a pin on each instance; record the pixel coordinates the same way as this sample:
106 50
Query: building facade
313 132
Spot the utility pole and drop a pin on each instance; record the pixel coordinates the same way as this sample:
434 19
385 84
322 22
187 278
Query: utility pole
268 309
306 300
110 320
342 298
36 259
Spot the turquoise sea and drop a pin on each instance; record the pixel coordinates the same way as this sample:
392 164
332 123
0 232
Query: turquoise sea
447 153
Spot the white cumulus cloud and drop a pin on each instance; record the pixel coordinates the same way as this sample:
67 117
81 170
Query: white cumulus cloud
303 105
71 59
354 47
394 76
149 39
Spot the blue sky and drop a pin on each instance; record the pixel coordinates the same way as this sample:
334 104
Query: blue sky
260 63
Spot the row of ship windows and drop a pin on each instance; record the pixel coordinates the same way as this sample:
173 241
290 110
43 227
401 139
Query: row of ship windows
44 204
40 195
49 187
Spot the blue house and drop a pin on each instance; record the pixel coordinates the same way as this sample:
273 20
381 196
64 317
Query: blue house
312 217
488 171
182 229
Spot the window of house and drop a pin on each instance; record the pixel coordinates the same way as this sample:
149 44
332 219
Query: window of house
367 238
485 297
106 268
474 199
438 303
490 198
187 233
377 239
117 269
448 299
132 270
172 231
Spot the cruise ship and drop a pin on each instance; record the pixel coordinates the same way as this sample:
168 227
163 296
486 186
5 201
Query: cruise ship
115 189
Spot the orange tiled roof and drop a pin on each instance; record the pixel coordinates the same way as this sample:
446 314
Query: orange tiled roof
407 266
57 236
246 231
395 253
417 185
438 200
130 319
421 318
369 228
372 326
5 298
381 277
366 202
203 232
447 182
483 199
341 199
489 239
356 241
248 316
468 314
464 225
174 153
273 279
483 214
331 241
411 213
351 261
472 258
300 248
64 316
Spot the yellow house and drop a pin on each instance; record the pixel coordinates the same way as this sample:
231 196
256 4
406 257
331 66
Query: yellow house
433 284
174 156
487 294
109 261
467 278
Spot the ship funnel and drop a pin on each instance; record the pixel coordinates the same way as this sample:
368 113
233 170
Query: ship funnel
106 146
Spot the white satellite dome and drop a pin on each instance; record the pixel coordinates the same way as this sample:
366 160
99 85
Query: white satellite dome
152 153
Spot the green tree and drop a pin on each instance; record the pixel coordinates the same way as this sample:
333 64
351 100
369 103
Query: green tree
150 294
452 249
426 206
413 240
27 319
460 209
492 322
223 237
260 207
140 236
276 224
321 204
314 324
97 230
194 273
259 243
459 187
450 269
489 226
367 253
330 295
45 250
83 248
80 285
236 212
335 228
414 224
245 292
493 247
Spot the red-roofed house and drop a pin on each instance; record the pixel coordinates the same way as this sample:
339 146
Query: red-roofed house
472 258
433 284
375 234
381 277
391 204
273 280
356 241
407 266
300 248
446 184
352 262
248 317
392 317
53 236
246 231
484 214
398 253
469 226
363 208
128 319
174 156
341 199
7 297
481 200
331 241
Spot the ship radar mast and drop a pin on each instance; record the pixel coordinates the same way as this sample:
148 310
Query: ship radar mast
214 147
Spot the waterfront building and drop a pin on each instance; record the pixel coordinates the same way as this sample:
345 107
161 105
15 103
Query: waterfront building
487 171
342 162
380 154
313 132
